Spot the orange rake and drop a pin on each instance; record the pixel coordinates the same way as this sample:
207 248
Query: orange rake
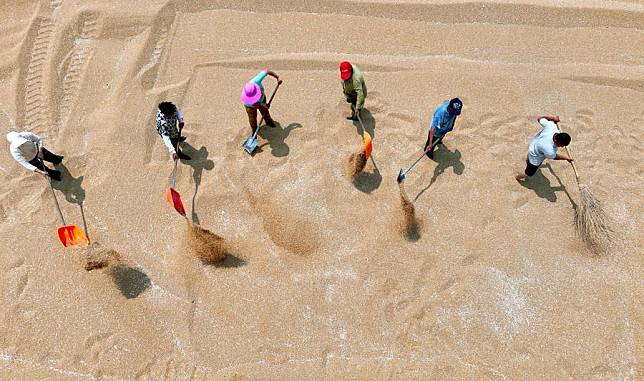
68 235
173 197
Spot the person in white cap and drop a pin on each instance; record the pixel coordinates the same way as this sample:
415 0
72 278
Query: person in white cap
28 150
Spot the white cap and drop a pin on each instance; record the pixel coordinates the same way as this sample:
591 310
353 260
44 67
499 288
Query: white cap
12 136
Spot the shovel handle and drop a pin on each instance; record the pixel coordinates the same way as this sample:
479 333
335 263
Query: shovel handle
84 223
353 109
268 105
60 213
421 156
51 187
174 174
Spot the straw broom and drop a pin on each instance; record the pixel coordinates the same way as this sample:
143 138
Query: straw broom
592 223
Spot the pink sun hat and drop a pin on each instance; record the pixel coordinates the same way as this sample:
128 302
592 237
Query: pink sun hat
251 93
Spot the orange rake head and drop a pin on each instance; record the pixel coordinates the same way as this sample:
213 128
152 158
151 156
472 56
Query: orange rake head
173 198
367 145
71 235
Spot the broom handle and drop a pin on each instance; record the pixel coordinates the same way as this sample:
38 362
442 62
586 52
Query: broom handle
574 168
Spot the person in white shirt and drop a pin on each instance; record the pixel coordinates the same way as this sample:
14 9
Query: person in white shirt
28 150
169 126
544 146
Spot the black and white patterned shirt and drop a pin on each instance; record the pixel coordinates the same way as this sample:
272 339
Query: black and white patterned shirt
169 126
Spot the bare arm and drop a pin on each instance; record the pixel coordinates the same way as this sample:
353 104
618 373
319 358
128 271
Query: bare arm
552 118
563 157
432 129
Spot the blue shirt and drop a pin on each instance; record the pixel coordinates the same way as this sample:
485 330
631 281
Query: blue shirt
442 121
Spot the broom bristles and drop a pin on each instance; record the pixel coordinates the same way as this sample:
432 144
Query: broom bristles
592 222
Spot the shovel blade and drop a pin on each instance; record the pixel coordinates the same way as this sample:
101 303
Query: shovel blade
250 145
173 198
71 235
367 144
401 177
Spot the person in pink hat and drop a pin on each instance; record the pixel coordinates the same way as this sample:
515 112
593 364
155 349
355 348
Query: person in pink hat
253 98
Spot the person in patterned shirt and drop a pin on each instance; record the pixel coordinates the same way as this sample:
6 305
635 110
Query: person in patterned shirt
169 126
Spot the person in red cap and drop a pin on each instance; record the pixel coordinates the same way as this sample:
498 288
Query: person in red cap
353 86
253 98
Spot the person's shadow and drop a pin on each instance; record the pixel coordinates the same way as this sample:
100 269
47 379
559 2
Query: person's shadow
368 121
276 138
444 159
130 281
199 161
69 185
540 184
72 188
367 182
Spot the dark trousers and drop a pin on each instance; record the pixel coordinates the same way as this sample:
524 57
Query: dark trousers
437 141
530 169
252 116
47 156
175 143
50 157
353 99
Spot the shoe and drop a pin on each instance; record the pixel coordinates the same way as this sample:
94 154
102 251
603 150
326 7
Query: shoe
354 118
182 138
60 160
270 123
183 156
430 154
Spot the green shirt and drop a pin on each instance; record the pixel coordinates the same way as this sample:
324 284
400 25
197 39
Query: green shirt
355 86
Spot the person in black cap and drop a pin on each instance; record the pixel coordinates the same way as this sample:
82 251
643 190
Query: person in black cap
169 126
442 123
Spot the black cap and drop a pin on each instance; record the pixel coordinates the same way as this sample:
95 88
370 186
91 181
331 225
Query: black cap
455 106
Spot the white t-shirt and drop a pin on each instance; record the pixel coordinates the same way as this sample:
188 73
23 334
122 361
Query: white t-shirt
542 146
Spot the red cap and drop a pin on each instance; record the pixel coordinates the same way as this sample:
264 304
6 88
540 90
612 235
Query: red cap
345 70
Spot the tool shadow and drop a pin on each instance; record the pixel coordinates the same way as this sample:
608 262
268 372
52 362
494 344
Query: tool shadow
199 163
445 159
541 186
367 182
276 138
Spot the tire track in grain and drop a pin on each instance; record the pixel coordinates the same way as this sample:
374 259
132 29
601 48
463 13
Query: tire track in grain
73 73
34 112
154 49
